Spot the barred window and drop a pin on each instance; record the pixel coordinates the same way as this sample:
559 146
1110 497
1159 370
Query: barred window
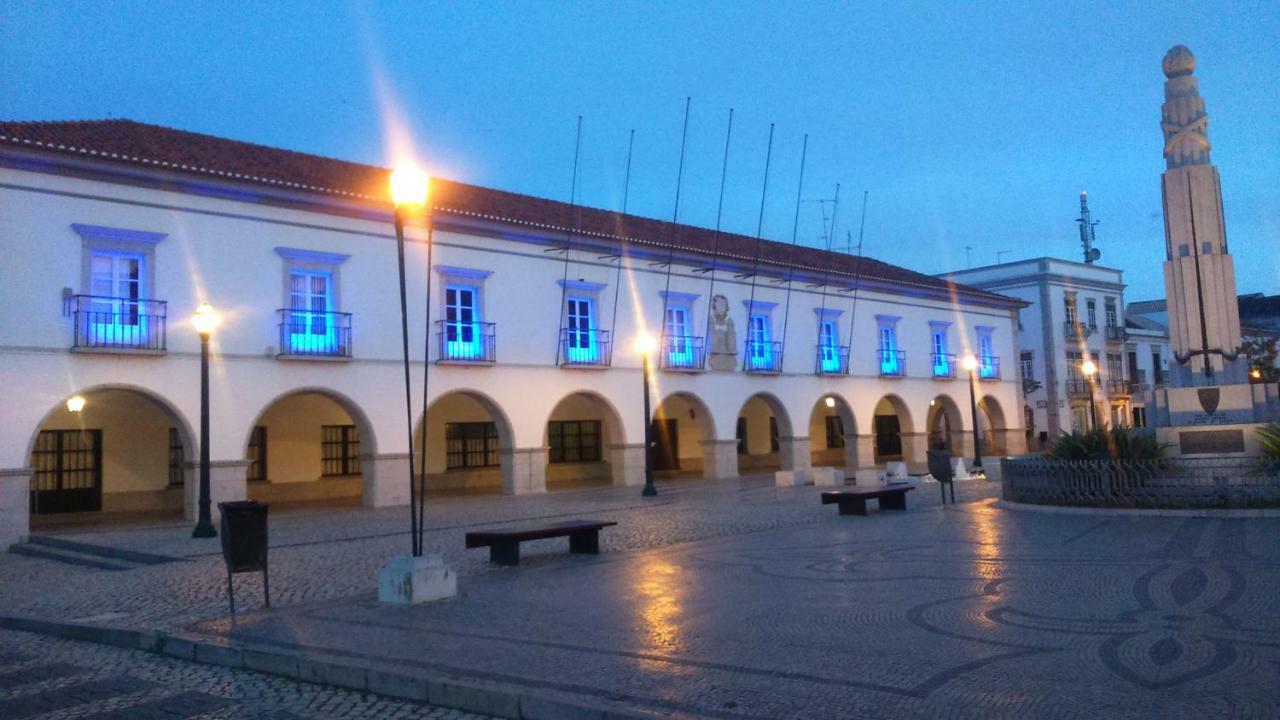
835 431
574 441
258 454
471 445
340 450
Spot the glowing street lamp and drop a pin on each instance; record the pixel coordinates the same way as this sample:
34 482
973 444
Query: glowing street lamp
75 403
830 401
410 188
1090 370
645 345
205 322
970 364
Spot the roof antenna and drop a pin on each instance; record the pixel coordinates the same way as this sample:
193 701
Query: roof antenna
1091 253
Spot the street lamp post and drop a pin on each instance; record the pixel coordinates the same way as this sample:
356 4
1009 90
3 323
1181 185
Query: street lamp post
970 364
409 192
1090 370
645 346
205 321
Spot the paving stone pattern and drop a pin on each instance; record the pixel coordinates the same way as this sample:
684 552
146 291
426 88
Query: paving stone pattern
49 678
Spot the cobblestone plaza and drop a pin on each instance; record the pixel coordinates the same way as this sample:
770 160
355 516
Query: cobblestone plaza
735 599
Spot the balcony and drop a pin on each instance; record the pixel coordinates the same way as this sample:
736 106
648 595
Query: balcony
763 357
989 368
111 324
1078 388
585 348
466 343
685 353
893 363
1075 330
944 365
1119 388
1116 334
307 334
831 360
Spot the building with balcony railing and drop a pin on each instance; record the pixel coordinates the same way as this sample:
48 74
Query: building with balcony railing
110 214
944 365
988 367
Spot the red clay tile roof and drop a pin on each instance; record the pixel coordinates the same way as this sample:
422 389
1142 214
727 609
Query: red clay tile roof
129 142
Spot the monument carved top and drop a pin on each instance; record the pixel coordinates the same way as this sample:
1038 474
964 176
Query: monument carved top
1184 120
1179 61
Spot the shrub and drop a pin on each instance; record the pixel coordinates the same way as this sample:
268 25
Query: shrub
1118 443
1269 437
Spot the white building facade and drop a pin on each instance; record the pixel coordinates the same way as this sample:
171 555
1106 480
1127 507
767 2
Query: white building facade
1075 313
114 232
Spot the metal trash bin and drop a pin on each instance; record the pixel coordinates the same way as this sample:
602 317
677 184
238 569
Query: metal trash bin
245 543
940 469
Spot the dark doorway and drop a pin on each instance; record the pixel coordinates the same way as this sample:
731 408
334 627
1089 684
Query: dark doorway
68 472
665 453
888 436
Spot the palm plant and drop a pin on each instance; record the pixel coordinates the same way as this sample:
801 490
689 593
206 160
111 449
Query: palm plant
1119 443
1269 439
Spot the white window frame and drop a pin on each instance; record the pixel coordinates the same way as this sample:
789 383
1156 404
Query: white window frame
308 263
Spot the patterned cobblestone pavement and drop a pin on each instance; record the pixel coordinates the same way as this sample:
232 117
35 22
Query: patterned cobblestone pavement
48 678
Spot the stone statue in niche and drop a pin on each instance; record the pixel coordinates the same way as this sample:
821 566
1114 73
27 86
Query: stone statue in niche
724 338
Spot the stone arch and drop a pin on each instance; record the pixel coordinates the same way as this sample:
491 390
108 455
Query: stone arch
945 424
824 447
481 456
589 444
310 444
137 450
992 425
684 437
891 429
765 435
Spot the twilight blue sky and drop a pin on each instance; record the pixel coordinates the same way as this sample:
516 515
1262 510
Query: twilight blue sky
968 125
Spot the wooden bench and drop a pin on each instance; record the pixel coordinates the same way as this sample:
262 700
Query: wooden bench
504 545
854 502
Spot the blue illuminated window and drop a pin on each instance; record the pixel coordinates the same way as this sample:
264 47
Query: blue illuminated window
679 348
311 327
988 365
829 343
941 361
759 349
890 361
463 337
115 315
581 345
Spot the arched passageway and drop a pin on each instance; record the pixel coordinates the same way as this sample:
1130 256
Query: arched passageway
308 447
582 435
682 427
946 425
833 434
763 428
890 426
111 449
992 426
469 448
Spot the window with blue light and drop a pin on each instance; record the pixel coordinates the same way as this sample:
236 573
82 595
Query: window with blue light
941 360
679 349
890 362
116 285
829 344
988 366
462 332
581 343
311 327
759 349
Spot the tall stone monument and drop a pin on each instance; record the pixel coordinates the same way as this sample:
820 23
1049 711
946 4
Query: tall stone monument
1209 382
1199 274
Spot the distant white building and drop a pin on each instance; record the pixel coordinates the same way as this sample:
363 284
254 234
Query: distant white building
114 232
1075 313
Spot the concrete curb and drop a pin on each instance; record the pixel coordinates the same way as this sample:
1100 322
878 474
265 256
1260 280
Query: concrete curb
381 679
1141 512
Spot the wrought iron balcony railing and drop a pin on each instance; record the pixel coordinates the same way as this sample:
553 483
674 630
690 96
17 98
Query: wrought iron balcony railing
585 348
1119 387
306 333
467 342
1075 329
831 360
682 352
989 368
1116 334
893 363
762 357
944 365
1078 387
112 323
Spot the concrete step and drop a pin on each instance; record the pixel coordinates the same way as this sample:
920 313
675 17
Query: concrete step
136 557
70 558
